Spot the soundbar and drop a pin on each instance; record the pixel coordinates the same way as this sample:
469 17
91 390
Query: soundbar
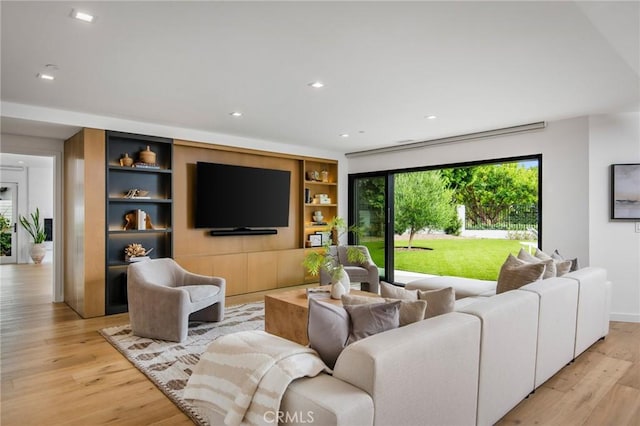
241 231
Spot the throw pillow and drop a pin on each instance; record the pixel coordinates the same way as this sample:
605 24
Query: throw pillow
440 301
550 270
396 292
562 266
410 310
574 262
515 273
372 318
327 329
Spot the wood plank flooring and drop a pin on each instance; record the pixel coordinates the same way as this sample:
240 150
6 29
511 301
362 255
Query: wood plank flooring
56 369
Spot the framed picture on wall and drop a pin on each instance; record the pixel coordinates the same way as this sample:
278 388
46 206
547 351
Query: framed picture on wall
625 191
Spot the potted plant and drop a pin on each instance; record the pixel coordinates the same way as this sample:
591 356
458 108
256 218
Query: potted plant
35 228
326 258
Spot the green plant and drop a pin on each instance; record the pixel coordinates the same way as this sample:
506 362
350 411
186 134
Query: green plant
34 227
326 259
5 236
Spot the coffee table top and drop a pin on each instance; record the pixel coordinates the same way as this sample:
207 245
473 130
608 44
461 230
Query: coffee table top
299 296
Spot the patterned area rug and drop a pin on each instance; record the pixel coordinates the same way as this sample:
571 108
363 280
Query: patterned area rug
169 364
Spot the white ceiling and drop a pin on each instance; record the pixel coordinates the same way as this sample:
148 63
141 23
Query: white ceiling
386 65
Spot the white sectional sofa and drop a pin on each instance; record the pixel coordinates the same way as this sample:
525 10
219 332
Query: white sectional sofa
462 368
468 367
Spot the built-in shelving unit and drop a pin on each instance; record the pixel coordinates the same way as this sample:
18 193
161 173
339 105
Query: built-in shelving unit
157 180
320 194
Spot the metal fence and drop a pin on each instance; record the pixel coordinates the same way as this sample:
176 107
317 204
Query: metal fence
515 218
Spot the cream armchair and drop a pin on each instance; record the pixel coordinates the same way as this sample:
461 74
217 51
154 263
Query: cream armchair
365 273
163 297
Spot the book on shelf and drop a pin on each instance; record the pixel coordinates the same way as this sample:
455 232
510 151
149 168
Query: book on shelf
146 166
141 219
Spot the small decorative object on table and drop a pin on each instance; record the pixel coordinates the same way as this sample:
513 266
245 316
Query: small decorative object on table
126 161
313 175
317 216
134 252
324 175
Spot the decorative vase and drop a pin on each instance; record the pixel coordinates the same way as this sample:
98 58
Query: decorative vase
337 290
37 252
147 156
126 161
340 286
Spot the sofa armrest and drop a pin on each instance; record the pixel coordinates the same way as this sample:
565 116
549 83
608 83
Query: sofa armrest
325 400
427 370
189 278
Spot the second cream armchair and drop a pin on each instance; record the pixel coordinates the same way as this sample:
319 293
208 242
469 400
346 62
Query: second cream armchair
365 273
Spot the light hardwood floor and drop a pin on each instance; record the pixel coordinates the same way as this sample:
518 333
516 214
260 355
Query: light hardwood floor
57 369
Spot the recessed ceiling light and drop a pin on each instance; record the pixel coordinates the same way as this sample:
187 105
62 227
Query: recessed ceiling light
431 117
236 114
316 84
82 16
45 76
20 162
344 135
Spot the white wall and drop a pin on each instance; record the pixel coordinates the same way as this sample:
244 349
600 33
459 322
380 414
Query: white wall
614 244
565 197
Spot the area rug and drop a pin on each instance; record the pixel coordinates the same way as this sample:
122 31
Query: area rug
168 364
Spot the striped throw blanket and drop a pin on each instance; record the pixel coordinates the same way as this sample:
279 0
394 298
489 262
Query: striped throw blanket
243 376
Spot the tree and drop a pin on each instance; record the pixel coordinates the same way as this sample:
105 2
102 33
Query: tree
489 191
422 200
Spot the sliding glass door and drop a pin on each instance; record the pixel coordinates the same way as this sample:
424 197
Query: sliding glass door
368 208
456 219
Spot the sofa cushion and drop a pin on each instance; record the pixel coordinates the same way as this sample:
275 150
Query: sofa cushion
327 329
372 318
440 301
200 292
396 292
515 273
410 310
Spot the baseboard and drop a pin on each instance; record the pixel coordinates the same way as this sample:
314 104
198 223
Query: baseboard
614 316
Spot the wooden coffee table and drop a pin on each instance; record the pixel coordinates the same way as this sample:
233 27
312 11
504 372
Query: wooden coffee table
286 313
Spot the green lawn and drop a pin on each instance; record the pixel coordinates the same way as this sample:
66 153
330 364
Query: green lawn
472 258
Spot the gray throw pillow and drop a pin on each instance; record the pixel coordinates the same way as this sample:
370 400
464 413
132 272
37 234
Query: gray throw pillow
515 273
440 301
372 318
574 262
410 310
327 329
562 266
550 269
396 292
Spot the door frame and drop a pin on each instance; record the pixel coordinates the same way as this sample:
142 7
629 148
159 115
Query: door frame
7 260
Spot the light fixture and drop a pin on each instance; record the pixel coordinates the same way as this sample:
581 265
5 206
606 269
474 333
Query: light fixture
82 16
344 135
316 84
431 117
235 114
45 76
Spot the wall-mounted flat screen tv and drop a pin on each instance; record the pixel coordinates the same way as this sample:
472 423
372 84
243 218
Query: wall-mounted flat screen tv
239 197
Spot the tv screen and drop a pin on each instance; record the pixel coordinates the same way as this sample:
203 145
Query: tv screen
230 196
